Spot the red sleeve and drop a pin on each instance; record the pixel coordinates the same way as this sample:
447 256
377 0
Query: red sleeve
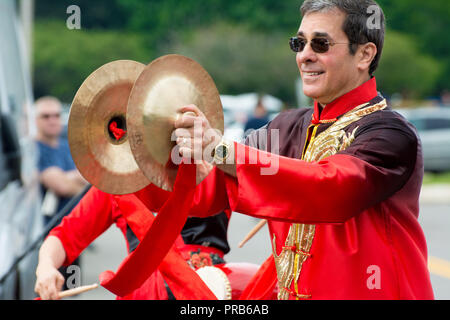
89 219
333 190
210 196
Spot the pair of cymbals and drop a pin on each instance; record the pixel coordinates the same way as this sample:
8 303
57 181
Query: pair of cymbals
142 101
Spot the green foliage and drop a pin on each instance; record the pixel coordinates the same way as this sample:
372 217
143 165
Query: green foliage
63 58
436 178
162 16
427 21
240 60
405 69
98 14
428 24
243 44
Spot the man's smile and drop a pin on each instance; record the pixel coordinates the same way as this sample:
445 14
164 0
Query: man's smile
311 75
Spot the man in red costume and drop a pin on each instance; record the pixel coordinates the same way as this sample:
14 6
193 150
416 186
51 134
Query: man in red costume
341 183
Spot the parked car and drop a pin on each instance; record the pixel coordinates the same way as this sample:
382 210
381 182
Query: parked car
20 218
433 125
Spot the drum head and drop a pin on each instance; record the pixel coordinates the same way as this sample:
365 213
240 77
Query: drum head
217 281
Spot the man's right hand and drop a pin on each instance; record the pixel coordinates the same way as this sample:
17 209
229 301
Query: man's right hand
49 282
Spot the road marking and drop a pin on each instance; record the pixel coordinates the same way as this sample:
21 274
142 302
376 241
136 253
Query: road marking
439 267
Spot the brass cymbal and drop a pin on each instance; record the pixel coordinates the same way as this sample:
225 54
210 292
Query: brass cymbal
167 84
102 159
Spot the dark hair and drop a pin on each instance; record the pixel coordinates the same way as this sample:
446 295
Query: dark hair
358 25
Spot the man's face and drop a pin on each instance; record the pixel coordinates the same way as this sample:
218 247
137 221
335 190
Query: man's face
337 68
49 119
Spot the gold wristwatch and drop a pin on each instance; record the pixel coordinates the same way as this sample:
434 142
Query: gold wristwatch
221 152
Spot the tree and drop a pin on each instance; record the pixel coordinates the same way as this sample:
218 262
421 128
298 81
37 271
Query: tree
241 60
98 14
63 58
427 23
254 48
405 69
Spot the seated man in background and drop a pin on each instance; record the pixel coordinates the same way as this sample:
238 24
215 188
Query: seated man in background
59 178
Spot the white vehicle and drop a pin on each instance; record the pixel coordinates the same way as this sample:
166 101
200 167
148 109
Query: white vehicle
20 218
433 125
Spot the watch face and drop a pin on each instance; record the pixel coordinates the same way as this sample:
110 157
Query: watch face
221 151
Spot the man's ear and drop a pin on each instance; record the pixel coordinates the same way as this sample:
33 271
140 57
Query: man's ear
366 54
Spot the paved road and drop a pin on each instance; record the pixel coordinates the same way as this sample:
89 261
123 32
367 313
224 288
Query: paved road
435 221
109 250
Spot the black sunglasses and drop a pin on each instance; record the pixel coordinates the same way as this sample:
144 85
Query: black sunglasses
319 45
50 115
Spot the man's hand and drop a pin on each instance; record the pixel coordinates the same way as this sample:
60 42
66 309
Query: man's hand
49 281
196 139
194 133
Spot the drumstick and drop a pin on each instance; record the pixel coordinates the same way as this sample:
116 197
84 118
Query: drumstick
72 292
252 232
78 290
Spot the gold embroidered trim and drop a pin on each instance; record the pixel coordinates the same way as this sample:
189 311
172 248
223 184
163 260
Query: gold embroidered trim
300 236
327 121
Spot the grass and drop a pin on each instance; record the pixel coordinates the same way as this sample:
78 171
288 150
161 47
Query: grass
436 178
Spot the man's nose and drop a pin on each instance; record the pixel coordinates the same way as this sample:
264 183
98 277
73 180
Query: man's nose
307 55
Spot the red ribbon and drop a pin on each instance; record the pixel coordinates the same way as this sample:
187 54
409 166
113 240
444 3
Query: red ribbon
145 259
184 282
262 286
